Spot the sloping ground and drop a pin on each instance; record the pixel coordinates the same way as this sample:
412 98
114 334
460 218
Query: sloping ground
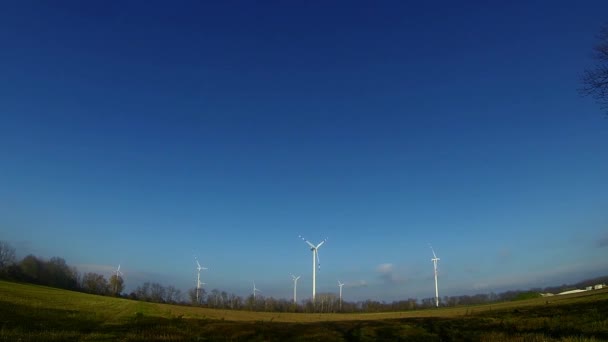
34 313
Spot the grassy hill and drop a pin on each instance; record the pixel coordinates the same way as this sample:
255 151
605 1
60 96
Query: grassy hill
35 313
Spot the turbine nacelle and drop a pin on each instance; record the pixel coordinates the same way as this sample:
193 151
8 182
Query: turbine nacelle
255 289
199 267
314 249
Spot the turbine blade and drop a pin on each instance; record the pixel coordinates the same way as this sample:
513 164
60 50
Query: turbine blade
308 242
318 260
432 250
199 265
321 243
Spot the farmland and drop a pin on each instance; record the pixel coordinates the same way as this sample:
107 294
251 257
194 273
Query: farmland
33 313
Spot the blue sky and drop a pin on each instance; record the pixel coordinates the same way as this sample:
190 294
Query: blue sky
145 133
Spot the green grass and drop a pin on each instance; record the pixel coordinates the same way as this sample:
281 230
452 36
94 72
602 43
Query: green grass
37 313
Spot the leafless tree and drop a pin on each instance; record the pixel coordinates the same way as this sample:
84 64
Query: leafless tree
116 284
595 80
95 283
157 293
7 255
173 295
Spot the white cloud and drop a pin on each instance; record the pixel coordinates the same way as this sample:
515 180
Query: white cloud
388 275
357 284
385 268
567 273
480 286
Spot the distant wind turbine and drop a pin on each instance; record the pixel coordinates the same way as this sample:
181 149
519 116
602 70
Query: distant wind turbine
118 274
340 285
255 290
434 260
199 268
315 259
295 285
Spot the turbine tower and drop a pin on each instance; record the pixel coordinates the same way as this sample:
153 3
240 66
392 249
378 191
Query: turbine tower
198 279
340 285
255 290
295 285
315 259
434 260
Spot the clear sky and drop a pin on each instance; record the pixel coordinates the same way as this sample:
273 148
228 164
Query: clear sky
146 133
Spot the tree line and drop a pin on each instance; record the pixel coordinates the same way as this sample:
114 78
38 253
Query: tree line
56 273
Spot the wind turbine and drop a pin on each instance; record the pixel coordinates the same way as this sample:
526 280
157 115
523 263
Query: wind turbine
434 260
254 290
295 285
340 285
315 258
118 274
199 268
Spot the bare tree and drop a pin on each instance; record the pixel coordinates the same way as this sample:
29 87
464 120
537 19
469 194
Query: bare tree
595 80
157 293
142 292
117 284
173 295
201 296
214 298
7 255
95 283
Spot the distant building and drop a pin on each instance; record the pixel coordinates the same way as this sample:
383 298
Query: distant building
588 288
599 286
546 294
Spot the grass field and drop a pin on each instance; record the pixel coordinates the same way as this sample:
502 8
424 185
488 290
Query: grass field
37 313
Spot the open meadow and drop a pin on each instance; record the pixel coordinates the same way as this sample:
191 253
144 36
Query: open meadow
37 313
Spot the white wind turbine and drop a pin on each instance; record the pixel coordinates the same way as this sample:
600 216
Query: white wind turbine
199 268
340 286
315 259
295 285
255 289
434 260
118 274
